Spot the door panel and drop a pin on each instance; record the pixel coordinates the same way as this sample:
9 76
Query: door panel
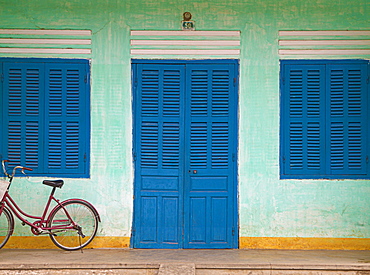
158 170
210 177
185 144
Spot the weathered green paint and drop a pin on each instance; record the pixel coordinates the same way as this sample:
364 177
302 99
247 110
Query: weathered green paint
268 207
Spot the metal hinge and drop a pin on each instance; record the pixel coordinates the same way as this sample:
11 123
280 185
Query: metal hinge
234 81
133 232
233 157
134 156
367 159
283 159
85 78
233 231
85 157
2 77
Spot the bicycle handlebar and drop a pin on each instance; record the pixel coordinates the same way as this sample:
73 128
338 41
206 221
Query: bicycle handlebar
14 169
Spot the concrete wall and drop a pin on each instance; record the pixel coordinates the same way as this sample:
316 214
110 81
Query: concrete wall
268 206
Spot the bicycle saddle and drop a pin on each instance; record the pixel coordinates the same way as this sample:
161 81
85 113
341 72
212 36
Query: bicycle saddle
54 183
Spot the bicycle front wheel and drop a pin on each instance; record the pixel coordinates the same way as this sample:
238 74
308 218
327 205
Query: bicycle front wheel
6 226
86 225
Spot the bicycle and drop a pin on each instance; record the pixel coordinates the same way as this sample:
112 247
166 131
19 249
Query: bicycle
72 224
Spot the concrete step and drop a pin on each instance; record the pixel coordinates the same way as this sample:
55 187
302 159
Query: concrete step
187 269
184 262
174 269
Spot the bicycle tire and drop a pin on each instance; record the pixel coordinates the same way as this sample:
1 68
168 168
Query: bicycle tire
6 226
81 213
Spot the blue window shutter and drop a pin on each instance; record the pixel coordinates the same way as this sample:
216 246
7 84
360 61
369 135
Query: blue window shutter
347 119
303 120
22 99
66 119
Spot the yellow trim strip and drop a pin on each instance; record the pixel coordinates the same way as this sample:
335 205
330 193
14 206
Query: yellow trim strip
304 243
44 242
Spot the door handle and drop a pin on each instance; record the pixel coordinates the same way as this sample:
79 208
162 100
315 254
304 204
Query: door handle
193 171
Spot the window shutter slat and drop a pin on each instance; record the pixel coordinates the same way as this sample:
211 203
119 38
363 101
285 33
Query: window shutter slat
171 93
220 144
15 143
73 92
150 93
199 93
55 147
149 144
220 92
198 145
171 145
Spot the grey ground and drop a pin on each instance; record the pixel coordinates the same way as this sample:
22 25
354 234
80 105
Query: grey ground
185 262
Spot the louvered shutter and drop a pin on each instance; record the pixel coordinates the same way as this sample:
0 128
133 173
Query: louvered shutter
66 119
303 120
45 114
159 138
22 99
347 119
324 119
210 105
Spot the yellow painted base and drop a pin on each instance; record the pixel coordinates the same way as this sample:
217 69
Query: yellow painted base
304 243
44 242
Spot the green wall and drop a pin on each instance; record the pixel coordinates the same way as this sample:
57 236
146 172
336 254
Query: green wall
268 206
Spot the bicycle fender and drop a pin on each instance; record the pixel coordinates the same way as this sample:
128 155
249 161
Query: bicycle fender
80 200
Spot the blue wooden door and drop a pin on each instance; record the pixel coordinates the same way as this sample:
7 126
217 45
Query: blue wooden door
185 145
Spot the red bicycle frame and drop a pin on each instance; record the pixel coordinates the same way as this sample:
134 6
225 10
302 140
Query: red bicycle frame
40 225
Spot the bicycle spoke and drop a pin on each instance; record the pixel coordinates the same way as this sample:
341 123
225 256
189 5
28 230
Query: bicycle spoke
85 228
6 226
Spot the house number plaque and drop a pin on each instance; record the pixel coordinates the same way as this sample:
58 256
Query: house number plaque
188 25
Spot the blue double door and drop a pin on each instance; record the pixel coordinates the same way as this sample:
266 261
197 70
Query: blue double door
185 153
